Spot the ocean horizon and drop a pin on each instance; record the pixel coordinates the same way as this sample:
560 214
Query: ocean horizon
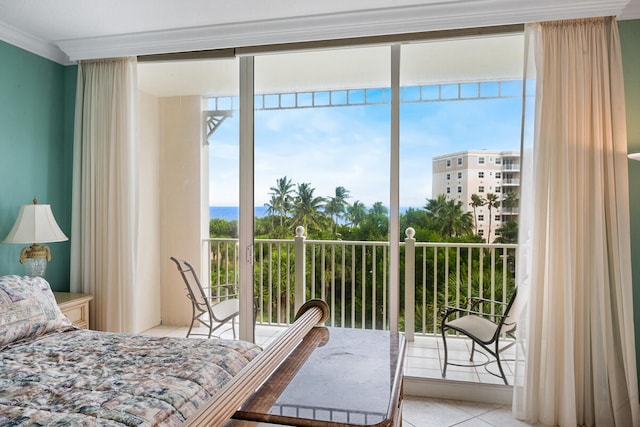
230 213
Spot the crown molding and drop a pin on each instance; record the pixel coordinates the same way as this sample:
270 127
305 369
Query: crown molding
429 16
441 15
32 44
631 11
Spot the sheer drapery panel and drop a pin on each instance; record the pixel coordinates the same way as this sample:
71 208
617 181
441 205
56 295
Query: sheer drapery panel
577 334
104 190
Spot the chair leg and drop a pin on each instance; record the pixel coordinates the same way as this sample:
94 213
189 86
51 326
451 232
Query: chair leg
193 319
444 340
233 327
504 377
190 327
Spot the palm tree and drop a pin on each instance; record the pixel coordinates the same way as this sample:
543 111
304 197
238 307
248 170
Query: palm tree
491 202
356 213
281 199
476 202
508 232
449 216
335 206
272 207
510 199
306 207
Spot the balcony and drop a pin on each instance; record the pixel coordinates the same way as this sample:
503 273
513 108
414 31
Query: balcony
352 277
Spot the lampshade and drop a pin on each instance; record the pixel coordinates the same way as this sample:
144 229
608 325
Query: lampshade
35 224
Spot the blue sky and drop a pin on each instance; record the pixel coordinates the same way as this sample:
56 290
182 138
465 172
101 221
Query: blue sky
349 146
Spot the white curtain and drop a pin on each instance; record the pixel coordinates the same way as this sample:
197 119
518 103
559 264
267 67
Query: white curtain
577 332
104 191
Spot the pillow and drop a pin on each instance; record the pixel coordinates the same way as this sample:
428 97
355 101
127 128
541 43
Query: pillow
27 309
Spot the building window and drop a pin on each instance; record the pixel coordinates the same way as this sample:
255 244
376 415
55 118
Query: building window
497 218
481 189
498 160
481 232
481 160
481 174
459 189
480 217
448 163
448 176
459 175
497 189
448 190
498 175
459 160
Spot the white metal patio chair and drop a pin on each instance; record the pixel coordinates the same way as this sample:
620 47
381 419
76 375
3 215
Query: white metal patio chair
485 330
206 310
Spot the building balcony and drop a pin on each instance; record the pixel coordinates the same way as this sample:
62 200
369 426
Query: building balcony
352 277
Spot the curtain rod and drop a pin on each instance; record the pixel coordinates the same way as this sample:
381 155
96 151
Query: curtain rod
228 53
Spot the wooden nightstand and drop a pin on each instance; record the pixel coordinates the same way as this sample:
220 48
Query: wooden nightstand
75 307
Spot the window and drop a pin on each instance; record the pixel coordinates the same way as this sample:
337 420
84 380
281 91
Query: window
497 218
481 189
448 190
481 160
459 160
459 189
480 217
448 163
497 189
448 176
481 232
481 174
498 174
459 175
498 161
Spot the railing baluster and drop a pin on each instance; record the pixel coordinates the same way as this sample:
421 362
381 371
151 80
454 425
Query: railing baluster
374 264
343 284
353 285
364 282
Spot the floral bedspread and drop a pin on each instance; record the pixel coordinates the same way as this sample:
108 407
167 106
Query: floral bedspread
86 378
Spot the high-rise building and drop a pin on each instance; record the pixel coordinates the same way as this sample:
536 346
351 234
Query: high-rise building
460 175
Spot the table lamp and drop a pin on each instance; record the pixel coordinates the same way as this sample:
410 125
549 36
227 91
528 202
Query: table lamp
35 224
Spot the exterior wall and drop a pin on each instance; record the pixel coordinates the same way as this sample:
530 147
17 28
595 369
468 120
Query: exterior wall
37 99
181 183
462 174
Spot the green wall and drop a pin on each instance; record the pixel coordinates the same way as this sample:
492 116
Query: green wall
36 142
630 42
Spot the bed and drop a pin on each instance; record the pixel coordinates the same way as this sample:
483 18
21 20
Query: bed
52 373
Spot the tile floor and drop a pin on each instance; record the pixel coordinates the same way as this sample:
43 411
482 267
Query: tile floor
423 360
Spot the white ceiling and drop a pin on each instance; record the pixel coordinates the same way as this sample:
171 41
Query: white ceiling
70 30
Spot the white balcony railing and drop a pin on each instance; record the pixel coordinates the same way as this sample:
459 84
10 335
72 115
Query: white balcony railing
352 277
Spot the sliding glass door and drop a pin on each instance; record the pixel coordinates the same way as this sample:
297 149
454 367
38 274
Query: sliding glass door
322 130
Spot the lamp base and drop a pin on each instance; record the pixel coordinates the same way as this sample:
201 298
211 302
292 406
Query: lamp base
35 259
35 267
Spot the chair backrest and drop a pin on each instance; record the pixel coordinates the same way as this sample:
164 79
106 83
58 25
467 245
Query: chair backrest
195 292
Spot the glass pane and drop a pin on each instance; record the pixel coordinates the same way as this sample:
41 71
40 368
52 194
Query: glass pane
459 168
323 164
